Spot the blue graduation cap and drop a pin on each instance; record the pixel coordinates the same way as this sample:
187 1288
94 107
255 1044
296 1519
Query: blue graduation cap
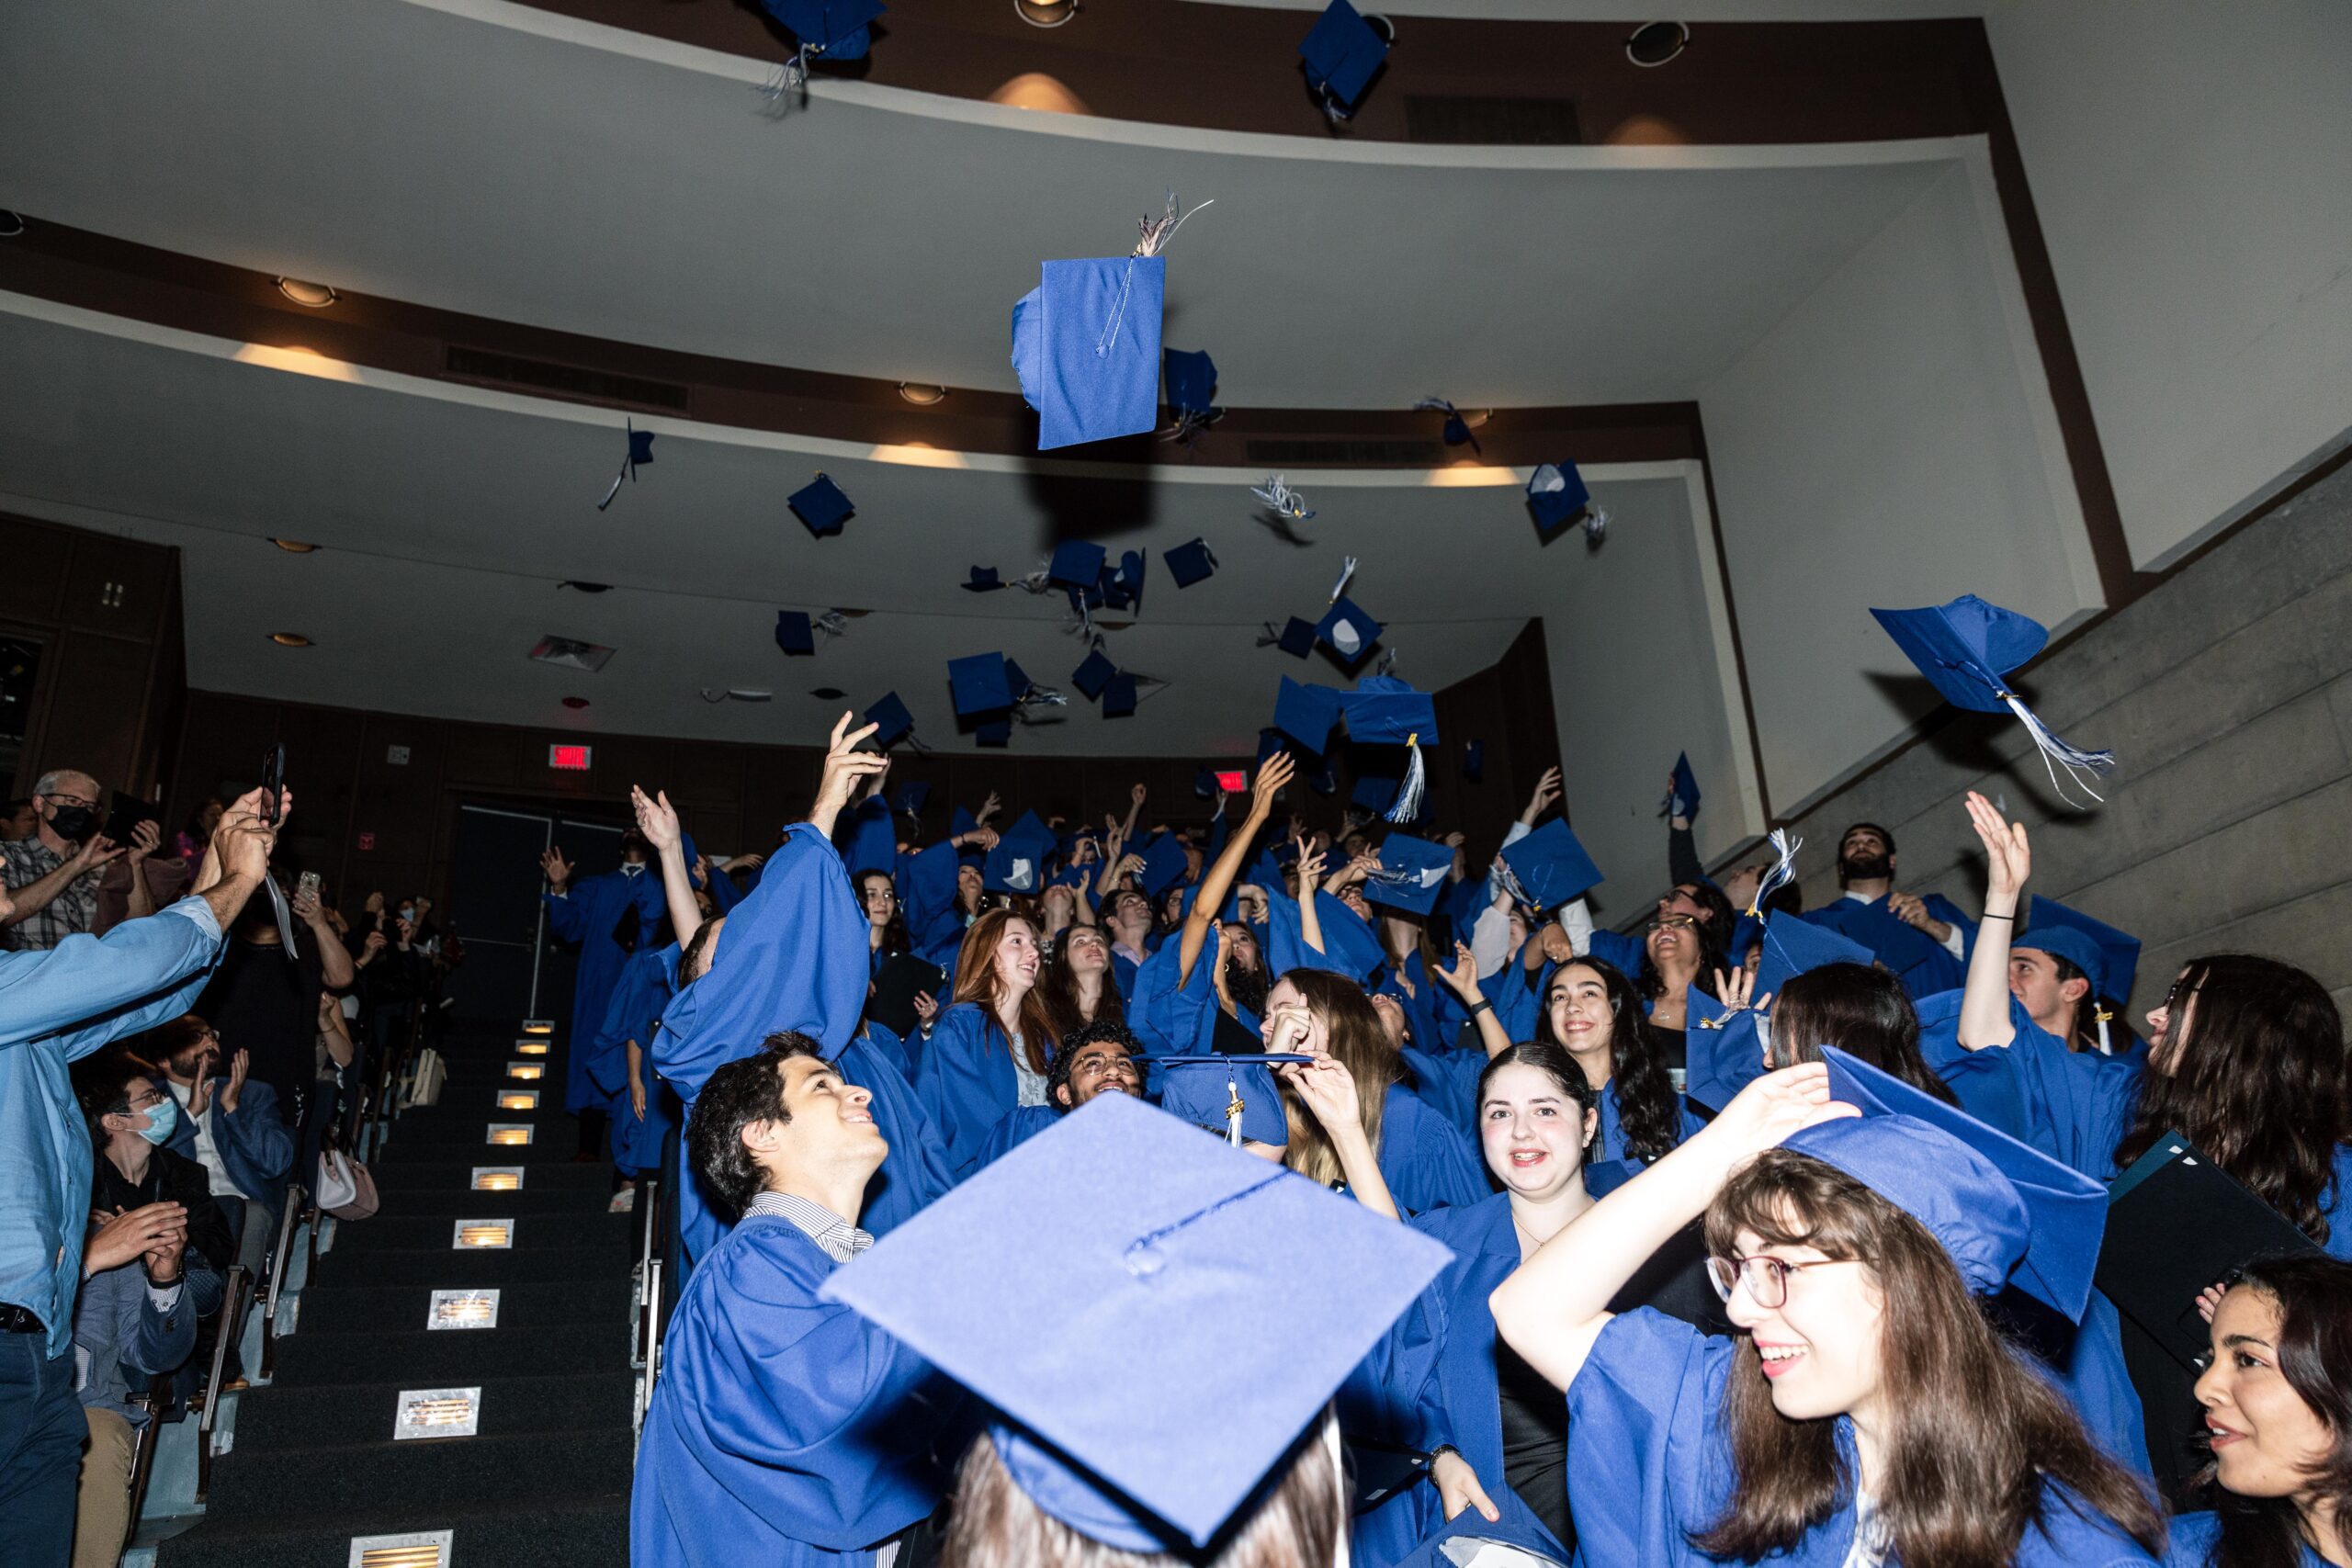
1211 1092
1017 863
1457 428
891 718
2108 958
1385 711
794 634
996 732
1190 563
2006 1213
1298 638
1093 674
1119 695
1682 792
1548 867
1965 648
1191 381
983 580
1205 782
869 838
1556 495
1474 761
821 505
979 685
1412 874
1129 577
1307 714
1270 744
1346 630
911 797
1163 862
1156 1450
1086 347
1373 793
834 28
1076 564
1341 51
641 451
1795 945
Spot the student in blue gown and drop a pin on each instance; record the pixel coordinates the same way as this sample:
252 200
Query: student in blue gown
786 1430
990 1049
1924 940
640 1117
2277 1402
1094 1058
877 894
792 957
1865 1411
1590 1012
596 913
1078 988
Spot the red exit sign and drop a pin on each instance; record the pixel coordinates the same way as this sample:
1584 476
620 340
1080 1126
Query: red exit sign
1234 783
570 759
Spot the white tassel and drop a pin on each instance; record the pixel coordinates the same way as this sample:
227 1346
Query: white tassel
1408 797
1232 1111
1283 501
2106 1046
2058 753
1784 870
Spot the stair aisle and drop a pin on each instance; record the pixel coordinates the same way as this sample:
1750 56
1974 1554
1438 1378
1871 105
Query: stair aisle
543 1479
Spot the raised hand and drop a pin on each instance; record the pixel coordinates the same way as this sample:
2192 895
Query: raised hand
845 765
234 1089
1136 797
656 817
926 1007
144 839
1773 1107
1328 1091
555 868
988 809
131 1234
1732 986
1264 787
1547 793
1310 866
2010 857
97 850
1463 979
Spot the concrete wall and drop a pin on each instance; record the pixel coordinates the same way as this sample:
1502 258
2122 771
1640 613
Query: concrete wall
2226 694
2188 161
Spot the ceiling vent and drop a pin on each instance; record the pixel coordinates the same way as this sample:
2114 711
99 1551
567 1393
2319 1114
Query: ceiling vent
547 378
1347 454
1499 122
589 656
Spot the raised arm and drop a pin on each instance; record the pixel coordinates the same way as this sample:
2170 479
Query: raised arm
658 820
1219 881
1553 1305
1985 1005
1462 981
1311 919
844 767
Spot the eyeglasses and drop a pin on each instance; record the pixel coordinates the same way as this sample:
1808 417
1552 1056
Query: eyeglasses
1766 1279
2174 995
1671 923
60 798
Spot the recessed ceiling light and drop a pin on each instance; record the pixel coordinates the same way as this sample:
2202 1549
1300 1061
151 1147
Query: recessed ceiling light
317 296
827 693
1655 43
292 547
289 640
1045 13
923 394
576 704
579 587
11 225
571 653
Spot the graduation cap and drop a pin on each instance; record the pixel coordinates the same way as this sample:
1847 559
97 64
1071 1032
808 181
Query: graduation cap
1119 695
911 797
1795 945
1373 793
820 504
1205 782
1964 649
2109 958
979 685
1340 53
1307 713
1086 341
891 718
1682 792
1130 577
640 451
794 634
1234 1097
1190 563
2006 1213
1091 676
1557 496
1192 384
1296 637
1163 862
1548 867
1017 863
869 838
1077 564
834 28
983 580
1412 874
1474 761
1347 632
995 731
1151 1429
1457 428
1385 711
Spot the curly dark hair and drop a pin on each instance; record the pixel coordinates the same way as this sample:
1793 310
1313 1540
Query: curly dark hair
739 1095
1077 1040
1647 1106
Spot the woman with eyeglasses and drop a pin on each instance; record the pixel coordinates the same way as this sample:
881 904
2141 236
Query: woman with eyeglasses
1864 1411
2276 1396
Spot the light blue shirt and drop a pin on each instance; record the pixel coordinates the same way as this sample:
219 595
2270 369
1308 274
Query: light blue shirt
56 1008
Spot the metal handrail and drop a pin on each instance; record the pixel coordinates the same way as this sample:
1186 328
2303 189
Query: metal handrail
232 1314
277 1265
157 1399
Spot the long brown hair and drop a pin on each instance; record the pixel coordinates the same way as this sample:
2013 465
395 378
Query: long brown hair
1862 1010
1648 1107
1353 1032
2255 1080
1974 1430
2314 1296
976 982
1057 985
1295 1524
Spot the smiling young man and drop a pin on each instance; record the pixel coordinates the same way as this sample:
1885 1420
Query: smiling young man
784 1429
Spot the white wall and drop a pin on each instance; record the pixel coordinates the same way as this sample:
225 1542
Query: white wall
2191 163
1890 443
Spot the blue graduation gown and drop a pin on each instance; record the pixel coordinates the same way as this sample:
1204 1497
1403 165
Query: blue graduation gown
647 983
1625 953
1351 950
1426 1163
784 1429
1918 960
1649 1462
1024 1123
965 1081
1447 1081
1168 1021
2193 1538
586 915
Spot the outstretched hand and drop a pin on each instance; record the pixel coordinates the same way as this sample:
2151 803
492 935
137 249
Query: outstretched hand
656 817
1546 795
1267 785
1463 979
845 767
555 868
2008 856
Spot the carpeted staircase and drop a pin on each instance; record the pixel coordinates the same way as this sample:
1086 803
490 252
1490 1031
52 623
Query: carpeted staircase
543 1481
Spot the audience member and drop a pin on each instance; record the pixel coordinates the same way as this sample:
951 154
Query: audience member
228 1125
53 876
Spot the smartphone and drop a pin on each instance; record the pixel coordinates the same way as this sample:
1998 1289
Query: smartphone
128 811
273 783
307 885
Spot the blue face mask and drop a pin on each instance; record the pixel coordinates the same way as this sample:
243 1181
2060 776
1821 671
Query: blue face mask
162 1119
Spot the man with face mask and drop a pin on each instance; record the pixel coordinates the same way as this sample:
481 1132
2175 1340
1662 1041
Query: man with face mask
53 876
610 917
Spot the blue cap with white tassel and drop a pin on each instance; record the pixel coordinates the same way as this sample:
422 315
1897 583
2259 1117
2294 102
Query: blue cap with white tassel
640 451
1385 711
831 30
1964 649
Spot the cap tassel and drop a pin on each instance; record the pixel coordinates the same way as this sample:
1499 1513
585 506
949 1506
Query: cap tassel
1233 1108
2056 753
1408 796
1283 501
1783 872
629 469
2100 1015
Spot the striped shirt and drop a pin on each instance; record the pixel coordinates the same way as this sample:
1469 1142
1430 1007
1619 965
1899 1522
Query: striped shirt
835 1237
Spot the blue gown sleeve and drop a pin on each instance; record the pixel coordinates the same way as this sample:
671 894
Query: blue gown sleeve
1426 1163
916 1170
1618 949
2076 1107
966 1083
1351 950
1168 1021
567 914
1647 1463
90 990
1447 1081
1985 1082
929 891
